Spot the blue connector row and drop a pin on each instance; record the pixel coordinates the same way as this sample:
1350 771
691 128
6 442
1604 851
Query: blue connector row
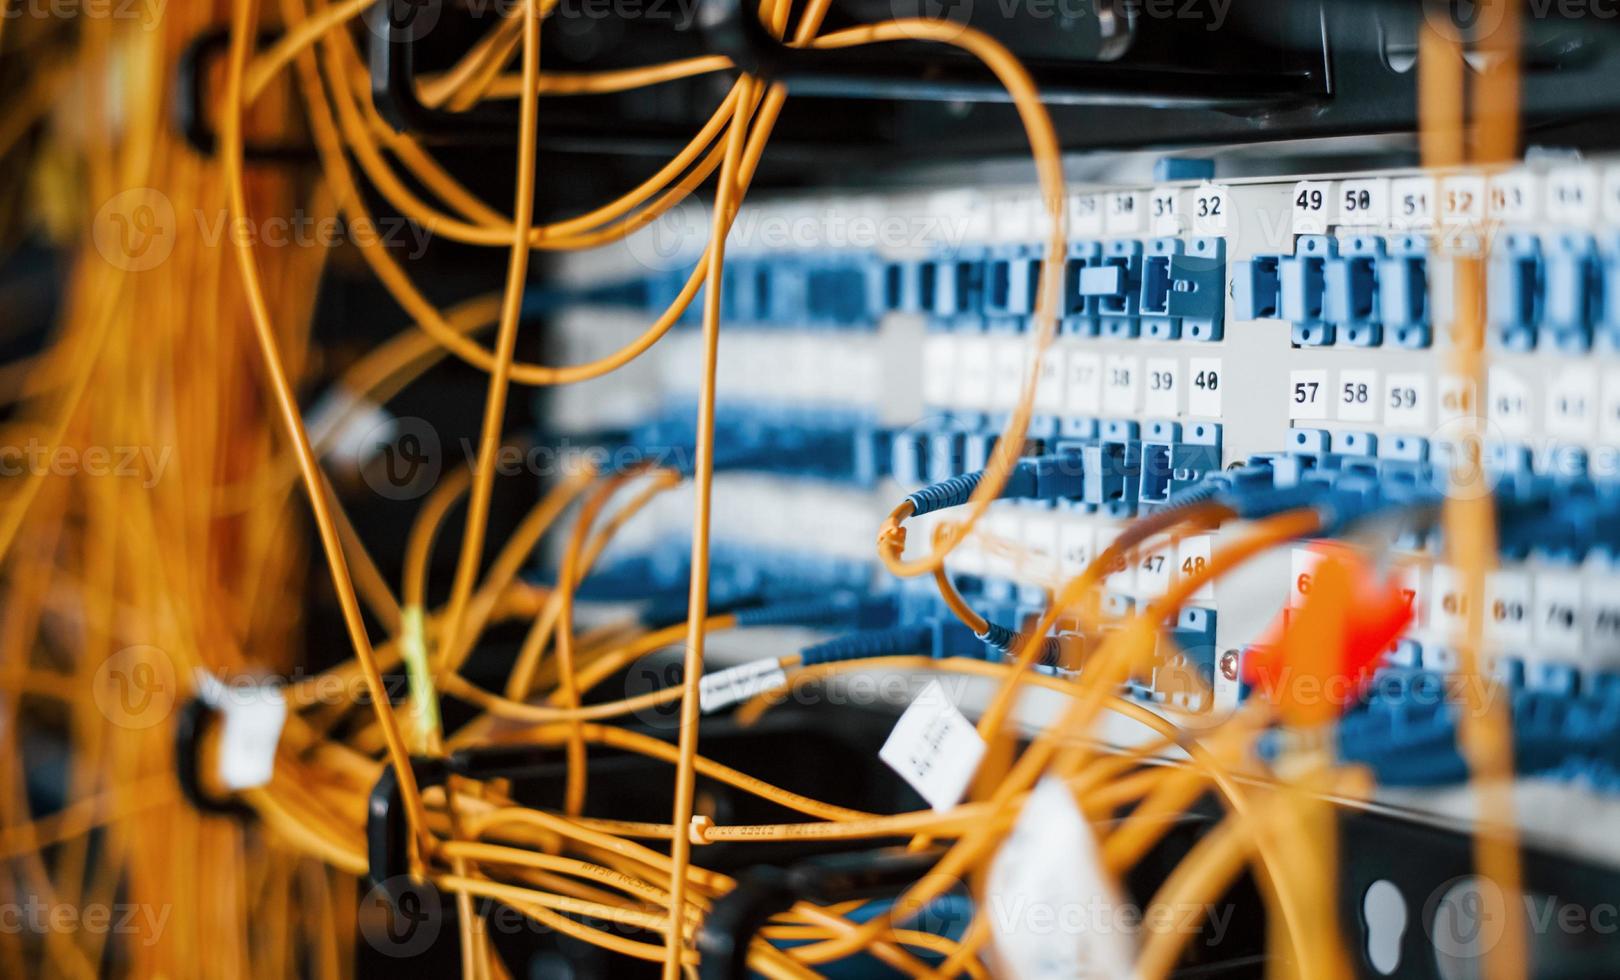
829 289
1164 288
1361 291
838 447
1406 731
1559 290
1120 466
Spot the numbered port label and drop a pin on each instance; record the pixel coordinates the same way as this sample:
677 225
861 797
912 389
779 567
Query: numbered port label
1085 383
1358 395
1572 403
1164 211
1462 199
1211 209
1412 202
1364 202
1308 395
1572 196
1406 401
1312 206
1161 387
1509 404
1126 212
1204 384
1122 383
1086 214
1192 558
1512 197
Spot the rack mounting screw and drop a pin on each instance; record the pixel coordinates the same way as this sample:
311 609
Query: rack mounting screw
1229 665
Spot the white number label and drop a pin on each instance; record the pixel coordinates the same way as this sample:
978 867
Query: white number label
1448 602
1406 401
1508 608
1162 387
1572 196
1204 387
1558 613
1192 558
1154 572
1609 425
1308 395
1126 212
1358 395
974 367
1122 383
1412 202
1049 393
1456 397
1312 201
1364 202
1164 208
1572 403
1075 547
1011 357
1462 199
939 368
1509 405
1210 209
1512 197
1085 383
1086 214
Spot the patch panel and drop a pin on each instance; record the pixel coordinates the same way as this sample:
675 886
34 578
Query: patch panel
1310 347
1354 290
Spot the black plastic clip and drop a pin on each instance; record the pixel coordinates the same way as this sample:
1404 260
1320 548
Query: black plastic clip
191 105
196 716
733 28
388 833
766 891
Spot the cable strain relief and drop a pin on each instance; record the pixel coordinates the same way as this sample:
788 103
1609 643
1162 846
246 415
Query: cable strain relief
945 494
896 641
800 612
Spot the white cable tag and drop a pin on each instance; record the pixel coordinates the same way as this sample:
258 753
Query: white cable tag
252 717
724 688
356 426
934 748
1054 915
